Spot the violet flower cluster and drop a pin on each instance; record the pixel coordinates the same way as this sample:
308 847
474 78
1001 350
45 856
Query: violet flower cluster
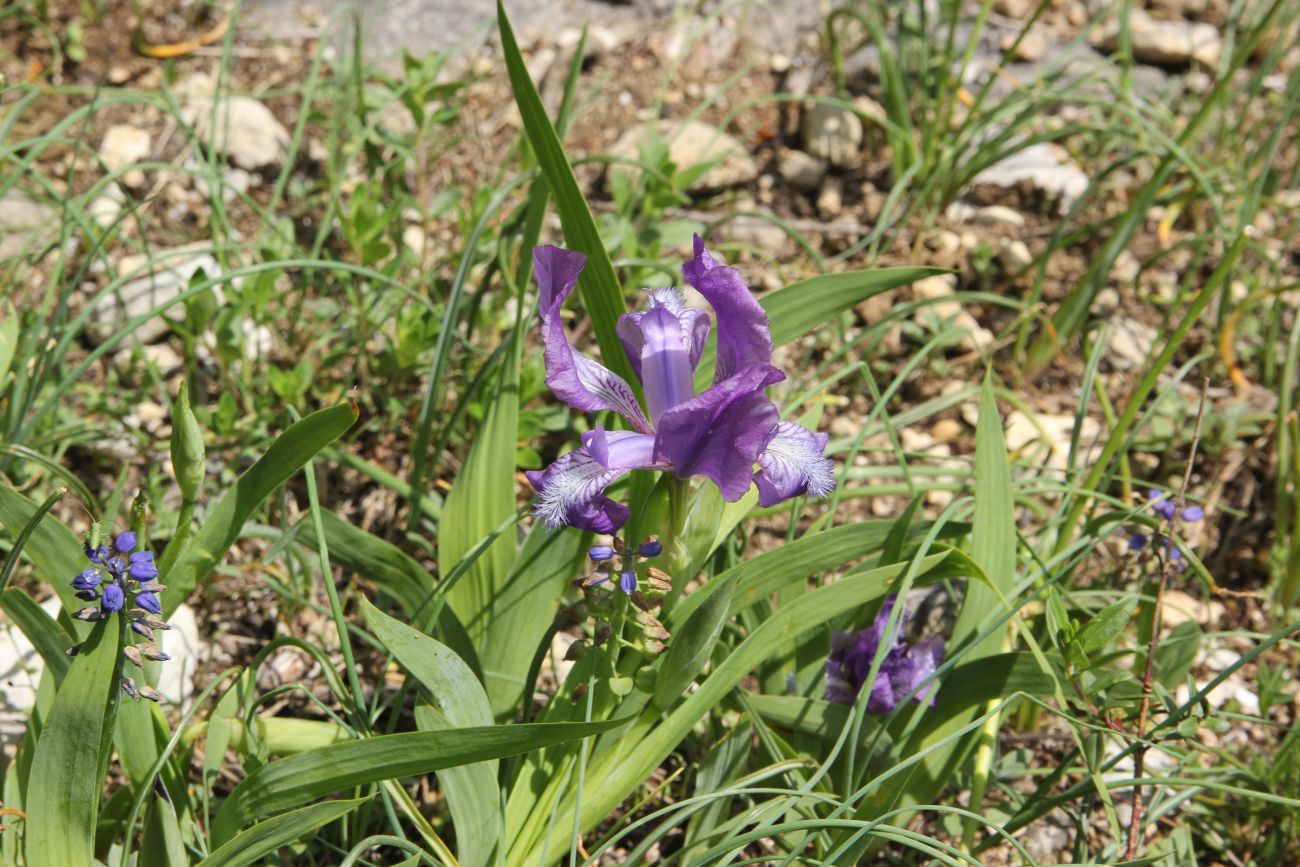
1168 511
720 433
904 669
123 579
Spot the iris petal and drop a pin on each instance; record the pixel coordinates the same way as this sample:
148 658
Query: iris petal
721 432
579 381
744 336
694 326
794 463
619 449
569 492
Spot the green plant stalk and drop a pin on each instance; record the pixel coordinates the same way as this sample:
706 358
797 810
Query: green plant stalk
340 622
1144 389
674 541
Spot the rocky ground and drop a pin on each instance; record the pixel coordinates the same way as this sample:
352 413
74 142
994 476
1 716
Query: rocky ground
737 92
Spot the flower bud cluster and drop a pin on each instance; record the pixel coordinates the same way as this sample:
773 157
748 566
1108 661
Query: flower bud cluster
618 565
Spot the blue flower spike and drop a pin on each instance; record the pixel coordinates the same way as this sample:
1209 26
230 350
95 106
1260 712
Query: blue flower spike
121 580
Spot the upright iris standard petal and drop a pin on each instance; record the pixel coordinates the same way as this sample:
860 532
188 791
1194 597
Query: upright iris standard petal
694 326
569 492
721 432
665 369
794 463
744 335
578 380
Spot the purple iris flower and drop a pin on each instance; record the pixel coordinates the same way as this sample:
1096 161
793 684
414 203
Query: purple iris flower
904 668
720 433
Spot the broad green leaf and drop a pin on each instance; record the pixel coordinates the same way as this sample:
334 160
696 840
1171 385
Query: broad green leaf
395 573
460 702
796 309
261 840
598 284
690 648
1106 625
71 759
289 782
8 339
522 613
42 630
222 527
53 549
481 498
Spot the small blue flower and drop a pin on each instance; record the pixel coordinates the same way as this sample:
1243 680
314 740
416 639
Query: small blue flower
652 548
142 567
627 581
86 582
114 597
600 553
125 542
149 602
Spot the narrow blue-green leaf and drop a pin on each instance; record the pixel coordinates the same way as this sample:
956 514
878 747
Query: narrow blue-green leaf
691 647
811 555
620 771
395 573
290 781
71 758
261 840
599 286
222 527
460 702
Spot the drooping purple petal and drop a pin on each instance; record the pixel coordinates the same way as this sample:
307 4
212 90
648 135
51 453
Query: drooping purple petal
694 327
794 463
619 449
923 660
721 432
744 336
663 360
569 492
579 381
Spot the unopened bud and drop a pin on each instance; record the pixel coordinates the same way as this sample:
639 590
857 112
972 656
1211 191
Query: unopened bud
87 614
651 547
151 652
188 456
650 626
150 693
132 653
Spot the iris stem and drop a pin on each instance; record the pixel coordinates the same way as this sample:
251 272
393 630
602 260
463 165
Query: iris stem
679 492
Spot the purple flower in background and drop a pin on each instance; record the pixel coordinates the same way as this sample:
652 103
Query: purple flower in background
904 668
720 433
1163 506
